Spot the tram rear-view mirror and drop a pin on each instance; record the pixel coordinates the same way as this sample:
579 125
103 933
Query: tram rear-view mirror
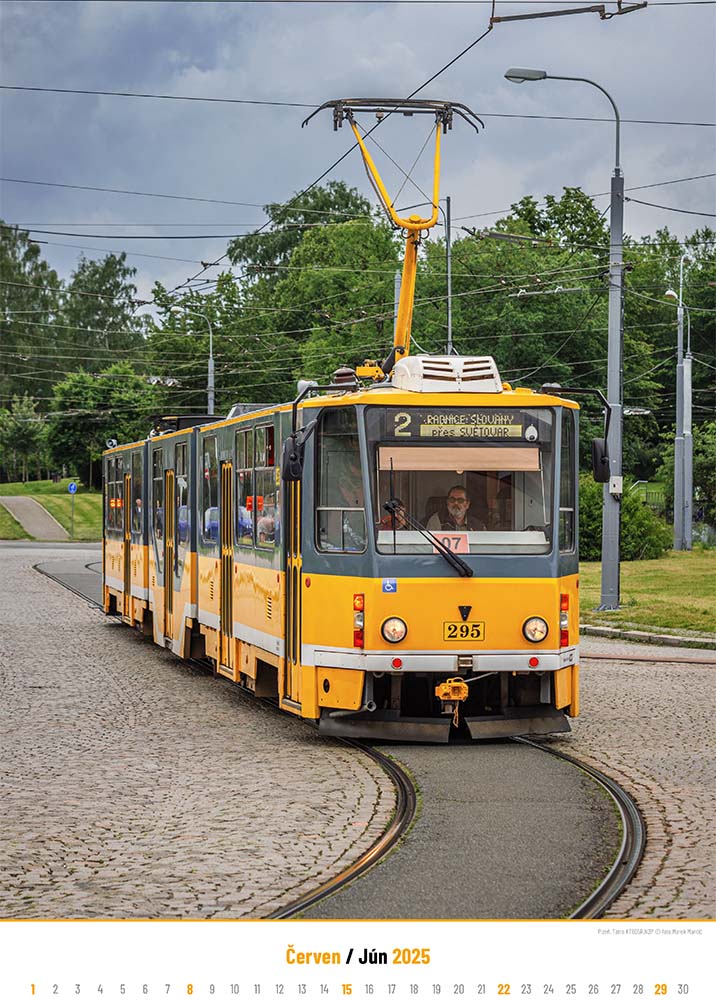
292 460
600 460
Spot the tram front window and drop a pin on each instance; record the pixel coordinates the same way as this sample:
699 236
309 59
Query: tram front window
340 513
479 479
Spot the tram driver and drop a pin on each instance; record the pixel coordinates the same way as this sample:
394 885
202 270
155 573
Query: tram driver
457 516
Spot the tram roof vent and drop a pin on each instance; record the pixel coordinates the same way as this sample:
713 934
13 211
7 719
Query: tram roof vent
424 373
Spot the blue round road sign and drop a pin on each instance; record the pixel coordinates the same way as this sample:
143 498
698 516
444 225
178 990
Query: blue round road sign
72 487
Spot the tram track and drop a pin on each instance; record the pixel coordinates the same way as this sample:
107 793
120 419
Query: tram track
405 807
619 875
632 846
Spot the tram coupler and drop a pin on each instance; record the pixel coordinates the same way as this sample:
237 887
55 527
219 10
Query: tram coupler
453 689
451 692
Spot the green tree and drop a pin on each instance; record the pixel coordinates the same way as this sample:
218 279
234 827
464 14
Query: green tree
291 220
704 465
250 352
335 303
99 313
88 410
29 291
644 535
21 435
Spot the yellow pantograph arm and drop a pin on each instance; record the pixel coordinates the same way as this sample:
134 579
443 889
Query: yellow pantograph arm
413 223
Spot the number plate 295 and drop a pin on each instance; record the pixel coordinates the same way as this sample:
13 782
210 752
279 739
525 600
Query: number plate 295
463 631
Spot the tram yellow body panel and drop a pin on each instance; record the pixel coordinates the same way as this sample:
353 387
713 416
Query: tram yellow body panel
424 603
114 566
258 598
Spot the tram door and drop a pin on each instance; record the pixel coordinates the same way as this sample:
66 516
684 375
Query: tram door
169 515
226 509
127 520
292 672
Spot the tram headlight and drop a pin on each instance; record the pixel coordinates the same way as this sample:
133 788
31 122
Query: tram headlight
535 629
394 630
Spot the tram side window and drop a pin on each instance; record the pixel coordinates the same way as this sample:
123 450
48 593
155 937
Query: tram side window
158 493
266 505
567 492
115 495
119 496
110 493
244 486
210 491
182 522
137 475
340 514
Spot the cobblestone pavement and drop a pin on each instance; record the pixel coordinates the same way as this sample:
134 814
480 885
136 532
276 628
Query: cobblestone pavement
651 727
133 785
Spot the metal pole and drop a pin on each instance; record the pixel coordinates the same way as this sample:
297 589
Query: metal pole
72 517
210 372
679 439
688 444
611 511
396 300
449 276
210 375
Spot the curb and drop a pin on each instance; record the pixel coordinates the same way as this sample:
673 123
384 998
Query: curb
687 642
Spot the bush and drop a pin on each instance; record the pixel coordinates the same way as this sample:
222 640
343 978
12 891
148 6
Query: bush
644 535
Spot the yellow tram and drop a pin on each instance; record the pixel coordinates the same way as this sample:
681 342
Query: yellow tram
391 556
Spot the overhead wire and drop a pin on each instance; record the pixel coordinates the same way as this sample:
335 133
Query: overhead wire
297 104
670 208
308 211
377 124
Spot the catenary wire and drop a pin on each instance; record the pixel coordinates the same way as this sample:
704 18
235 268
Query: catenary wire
670 208
296 104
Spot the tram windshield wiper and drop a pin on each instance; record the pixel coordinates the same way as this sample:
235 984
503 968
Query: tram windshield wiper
458 564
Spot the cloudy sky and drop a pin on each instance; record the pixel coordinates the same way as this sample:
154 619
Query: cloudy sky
658 64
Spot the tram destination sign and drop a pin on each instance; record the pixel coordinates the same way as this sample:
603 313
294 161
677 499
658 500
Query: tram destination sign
462 423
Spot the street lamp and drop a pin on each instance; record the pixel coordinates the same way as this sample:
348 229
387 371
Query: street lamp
178 310
683 443
611 512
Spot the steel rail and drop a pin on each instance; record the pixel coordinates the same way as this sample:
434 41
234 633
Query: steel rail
68 586
404 814
631 849
648 659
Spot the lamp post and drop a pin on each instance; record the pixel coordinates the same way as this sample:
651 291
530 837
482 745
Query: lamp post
683 442
178 310
611 511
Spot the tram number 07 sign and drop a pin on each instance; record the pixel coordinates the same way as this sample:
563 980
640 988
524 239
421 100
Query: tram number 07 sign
456 541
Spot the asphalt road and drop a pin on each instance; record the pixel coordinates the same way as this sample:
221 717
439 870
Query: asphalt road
505 831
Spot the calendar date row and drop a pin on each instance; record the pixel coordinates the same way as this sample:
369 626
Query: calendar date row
401 991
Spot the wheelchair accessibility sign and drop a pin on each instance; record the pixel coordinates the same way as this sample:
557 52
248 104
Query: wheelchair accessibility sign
390 586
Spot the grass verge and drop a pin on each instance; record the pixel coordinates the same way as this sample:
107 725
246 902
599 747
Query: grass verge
9 527
676 592
35 488
88 514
